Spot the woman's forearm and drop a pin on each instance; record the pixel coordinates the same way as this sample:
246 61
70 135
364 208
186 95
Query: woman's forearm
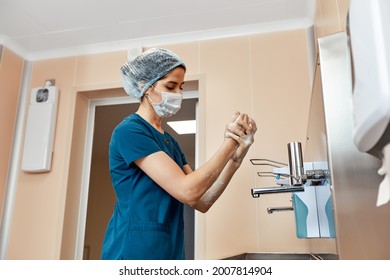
215 191
219 186
206 176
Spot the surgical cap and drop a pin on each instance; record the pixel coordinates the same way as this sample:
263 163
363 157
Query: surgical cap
146 69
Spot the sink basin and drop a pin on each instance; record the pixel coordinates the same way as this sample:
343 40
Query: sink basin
283 256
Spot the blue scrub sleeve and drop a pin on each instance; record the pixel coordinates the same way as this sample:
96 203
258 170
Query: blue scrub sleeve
133 143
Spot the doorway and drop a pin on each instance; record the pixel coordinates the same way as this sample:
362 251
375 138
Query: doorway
101 196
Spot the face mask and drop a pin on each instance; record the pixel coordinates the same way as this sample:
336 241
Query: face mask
170 104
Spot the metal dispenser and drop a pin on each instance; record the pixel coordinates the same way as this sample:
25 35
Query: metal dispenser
309 183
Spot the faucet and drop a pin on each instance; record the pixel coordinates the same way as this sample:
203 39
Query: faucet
296 176
256 192
310 185
270 210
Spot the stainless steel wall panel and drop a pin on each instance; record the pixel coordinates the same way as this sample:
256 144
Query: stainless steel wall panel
362 229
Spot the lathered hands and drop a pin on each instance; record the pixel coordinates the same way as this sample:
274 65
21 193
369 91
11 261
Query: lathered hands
242 129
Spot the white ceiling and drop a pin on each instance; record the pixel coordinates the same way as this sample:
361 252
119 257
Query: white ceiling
36 27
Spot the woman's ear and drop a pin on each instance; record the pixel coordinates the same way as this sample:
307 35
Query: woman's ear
148 90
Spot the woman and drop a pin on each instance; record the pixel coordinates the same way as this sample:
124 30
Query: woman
149 172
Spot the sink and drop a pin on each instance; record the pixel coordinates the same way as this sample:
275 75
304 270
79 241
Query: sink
283 256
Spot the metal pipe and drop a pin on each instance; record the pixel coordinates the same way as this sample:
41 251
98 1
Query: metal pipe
295 160
11 184
270 210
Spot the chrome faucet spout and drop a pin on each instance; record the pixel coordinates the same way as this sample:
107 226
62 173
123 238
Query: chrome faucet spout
256 192
270 210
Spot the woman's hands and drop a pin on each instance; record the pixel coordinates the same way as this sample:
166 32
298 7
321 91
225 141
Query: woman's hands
242 129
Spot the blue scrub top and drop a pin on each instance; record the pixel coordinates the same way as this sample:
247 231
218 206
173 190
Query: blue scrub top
147 222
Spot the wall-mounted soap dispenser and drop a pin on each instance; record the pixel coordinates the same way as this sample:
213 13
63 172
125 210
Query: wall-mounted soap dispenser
309 183
368 26
40 129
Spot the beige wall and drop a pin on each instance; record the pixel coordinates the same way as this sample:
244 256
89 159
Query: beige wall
11 68
283 111
246 76
331 16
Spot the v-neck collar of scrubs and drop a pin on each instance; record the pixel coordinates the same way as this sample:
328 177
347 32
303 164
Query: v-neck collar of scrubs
150 125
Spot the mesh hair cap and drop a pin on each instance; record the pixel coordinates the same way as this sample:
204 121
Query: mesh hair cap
146 69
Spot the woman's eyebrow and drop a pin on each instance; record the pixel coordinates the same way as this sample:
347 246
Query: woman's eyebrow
176 83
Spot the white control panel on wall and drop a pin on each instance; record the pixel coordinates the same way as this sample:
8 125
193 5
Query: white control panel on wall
40 129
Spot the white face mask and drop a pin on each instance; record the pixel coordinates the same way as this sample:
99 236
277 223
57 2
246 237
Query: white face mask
170 104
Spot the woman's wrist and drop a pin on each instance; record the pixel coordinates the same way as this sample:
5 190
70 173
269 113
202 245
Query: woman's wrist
231 143
229 146
235 161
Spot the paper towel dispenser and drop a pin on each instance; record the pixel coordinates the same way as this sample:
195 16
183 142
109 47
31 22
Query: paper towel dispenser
368 28
40 129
